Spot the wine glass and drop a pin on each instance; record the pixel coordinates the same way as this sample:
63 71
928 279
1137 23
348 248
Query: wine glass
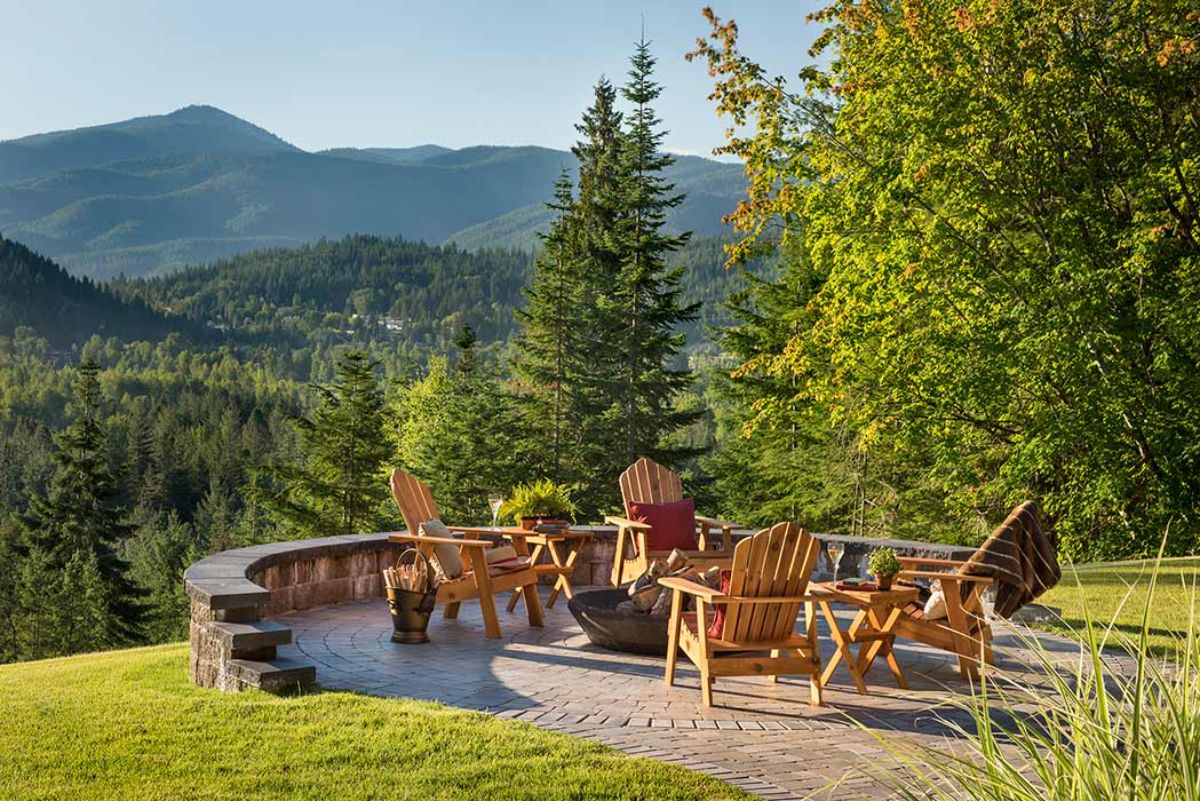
495 501
835 549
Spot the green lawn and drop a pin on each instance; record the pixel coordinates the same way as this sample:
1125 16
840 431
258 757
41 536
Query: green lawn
129 725
1117 591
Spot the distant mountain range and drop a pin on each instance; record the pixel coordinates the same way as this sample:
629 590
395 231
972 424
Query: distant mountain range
154 193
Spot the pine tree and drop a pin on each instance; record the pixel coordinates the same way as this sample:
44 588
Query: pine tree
549 338
158 553
460 432
600 328
70 542
647 293
594 359
338 486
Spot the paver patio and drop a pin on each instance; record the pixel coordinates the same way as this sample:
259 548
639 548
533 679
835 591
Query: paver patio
772 742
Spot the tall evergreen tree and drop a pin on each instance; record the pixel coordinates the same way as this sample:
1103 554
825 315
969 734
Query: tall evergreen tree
597 263
600 339
549 340
647 292
73 578
338 485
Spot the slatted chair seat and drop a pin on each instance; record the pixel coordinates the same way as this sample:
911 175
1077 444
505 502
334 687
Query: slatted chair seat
647 481
768 580
479 580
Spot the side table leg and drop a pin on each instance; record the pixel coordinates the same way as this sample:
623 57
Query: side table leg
843 652
562 583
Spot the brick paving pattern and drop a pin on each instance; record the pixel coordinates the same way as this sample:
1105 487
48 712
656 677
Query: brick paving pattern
771 742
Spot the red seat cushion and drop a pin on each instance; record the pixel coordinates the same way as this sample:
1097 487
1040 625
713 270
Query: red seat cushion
672 525
716 628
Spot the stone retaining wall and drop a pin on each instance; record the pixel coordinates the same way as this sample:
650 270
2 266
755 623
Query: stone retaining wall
234 593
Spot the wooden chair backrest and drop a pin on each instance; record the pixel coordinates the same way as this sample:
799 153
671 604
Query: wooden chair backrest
647 481
773 563
414 499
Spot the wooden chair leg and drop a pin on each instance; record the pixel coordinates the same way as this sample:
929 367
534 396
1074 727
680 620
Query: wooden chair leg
706 683
964 644
522 549
704 652
533 604
674 624
487 601
451 610
814 678
774 677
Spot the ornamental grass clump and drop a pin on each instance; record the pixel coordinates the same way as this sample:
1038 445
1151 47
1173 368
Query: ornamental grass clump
1108 722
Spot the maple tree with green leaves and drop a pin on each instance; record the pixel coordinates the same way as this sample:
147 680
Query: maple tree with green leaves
998 202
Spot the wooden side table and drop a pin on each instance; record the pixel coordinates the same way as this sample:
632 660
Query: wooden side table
563 547
872 630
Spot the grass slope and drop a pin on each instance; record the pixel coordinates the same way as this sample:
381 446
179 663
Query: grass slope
1116 591
129 725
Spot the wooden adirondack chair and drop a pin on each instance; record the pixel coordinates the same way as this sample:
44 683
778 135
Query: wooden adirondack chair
1018 557
647 481
767 586
964 631
477 581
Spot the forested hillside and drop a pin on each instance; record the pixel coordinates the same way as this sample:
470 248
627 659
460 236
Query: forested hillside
387 290
65 310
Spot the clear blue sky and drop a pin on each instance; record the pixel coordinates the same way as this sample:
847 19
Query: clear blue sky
327 74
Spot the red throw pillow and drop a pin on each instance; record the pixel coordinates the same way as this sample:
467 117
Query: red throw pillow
715 630
672 525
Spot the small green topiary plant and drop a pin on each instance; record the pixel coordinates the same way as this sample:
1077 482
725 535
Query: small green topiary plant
884 566
540 499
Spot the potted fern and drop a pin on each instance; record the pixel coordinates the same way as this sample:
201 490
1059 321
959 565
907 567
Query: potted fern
884 566
540 502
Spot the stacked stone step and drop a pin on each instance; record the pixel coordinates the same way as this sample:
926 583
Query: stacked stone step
232 647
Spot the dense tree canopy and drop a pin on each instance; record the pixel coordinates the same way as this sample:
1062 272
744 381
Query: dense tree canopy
999 201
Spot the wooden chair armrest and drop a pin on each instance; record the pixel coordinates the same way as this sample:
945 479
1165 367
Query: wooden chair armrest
934 574
691 588
911 562
440 540
712 521
623 522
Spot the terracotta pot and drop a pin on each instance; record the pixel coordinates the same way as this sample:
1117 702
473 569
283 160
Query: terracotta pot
884 582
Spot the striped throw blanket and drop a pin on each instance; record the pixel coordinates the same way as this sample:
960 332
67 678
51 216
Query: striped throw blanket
1020 557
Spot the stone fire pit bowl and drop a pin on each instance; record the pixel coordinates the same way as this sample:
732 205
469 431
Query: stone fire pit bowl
632 632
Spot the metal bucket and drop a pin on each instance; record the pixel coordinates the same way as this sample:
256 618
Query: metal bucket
411 610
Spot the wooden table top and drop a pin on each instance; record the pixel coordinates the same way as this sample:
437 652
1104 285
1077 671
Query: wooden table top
895 596
517 531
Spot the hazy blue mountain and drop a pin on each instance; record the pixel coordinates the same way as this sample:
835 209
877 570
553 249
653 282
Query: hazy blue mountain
148 195
191 130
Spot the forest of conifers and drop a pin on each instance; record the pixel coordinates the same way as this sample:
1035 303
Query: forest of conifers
944 296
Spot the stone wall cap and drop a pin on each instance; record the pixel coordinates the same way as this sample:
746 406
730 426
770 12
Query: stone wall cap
227 593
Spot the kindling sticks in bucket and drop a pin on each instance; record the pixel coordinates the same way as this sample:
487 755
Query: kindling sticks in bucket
410 577
412 593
